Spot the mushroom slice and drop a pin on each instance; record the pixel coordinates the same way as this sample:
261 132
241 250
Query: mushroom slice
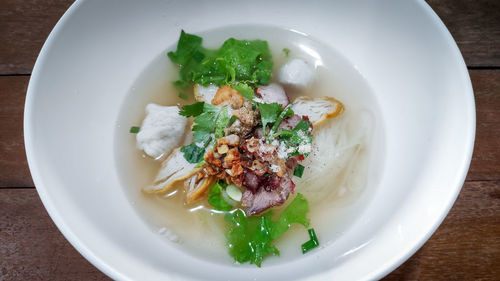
174 169
204 94
196 187
317 109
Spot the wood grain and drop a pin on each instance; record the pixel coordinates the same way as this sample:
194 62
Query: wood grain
31 246
485 164
465 247
14 170
475 26
24 26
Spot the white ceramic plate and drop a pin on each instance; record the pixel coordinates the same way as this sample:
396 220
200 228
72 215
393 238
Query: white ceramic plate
99 48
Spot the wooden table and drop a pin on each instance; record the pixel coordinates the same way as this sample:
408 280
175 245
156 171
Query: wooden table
465 247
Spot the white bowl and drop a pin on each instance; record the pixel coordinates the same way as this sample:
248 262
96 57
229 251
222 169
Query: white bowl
99 48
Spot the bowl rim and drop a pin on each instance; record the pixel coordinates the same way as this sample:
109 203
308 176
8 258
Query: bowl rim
114 273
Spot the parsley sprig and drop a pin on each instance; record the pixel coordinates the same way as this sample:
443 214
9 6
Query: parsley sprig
209 124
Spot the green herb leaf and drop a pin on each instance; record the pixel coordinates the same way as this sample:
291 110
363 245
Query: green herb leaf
235 60
134 129
187 46
249 239
287 112
193 153
269 112
215 199
296 137
194 109
295 213
183 96
298 171
286 51
244 90
222 121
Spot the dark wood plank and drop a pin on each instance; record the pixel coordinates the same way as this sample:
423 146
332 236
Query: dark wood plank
24 26
465 247
14 170
485 164
31 246
475 26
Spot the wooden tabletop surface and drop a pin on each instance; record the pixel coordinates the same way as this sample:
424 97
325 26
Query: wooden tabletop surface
465 247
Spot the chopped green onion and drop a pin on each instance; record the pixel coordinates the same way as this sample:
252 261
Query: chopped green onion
201 163
234 192
183 96
311 244
134 129
286 51
299 170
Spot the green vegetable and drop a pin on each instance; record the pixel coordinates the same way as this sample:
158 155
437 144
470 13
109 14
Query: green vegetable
222 121
187 46
269 113
134 129
286 51
299 170
209 119
183 96
294 213
287 112
245 90
194 109
193 153
312 243
249 239
215 199
235 60
296 137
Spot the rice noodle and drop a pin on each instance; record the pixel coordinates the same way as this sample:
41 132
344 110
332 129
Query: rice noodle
338 161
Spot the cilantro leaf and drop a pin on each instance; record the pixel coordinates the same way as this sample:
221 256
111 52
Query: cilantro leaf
269 112
297 137
194 109
205 122
222 121
244 90
202 137
193 153
249 239
287 112
215 199
295 213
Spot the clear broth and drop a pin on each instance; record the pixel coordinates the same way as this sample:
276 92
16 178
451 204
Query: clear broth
193 227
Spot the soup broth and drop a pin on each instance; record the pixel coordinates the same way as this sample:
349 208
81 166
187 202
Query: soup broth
335 198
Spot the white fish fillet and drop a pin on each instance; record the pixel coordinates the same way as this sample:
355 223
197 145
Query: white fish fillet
174 169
